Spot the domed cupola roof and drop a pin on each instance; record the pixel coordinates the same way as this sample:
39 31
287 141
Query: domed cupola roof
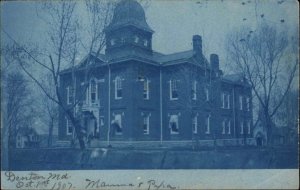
129 12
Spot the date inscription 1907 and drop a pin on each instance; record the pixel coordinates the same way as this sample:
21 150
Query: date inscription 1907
63 181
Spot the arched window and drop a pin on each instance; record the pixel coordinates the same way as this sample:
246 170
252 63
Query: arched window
118 88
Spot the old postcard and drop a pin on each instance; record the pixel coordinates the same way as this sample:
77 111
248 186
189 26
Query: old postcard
149 94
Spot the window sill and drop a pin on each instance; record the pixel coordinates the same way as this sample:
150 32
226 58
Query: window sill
174 133
173 99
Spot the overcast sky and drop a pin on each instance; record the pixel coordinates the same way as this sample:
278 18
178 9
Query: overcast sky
174 22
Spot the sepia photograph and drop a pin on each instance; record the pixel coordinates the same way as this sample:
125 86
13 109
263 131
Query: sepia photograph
150 94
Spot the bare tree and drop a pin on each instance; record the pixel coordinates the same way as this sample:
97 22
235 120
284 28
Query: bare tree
265 58
64 40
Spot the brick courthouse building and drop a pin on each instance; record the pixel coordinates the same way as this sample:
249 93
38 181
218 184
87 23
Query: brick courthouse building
136 94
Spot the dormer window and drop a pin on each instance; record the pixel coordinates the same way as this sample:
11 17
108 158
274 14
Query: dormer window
112 42
146 43
136 39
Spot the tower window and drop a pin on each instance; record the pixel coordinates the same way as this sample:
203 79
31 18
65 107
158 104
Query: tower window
226 100
145 42
136 39
173 90
173 124
118 88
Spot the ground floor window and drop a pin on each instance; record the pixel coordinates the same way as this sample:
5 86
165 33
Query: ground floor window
242 127
195 124
173 124
207 123
146 124
69 127
117 124
249 127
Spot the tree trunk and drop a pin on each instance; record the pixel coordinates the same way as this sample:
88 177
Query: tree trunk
77 128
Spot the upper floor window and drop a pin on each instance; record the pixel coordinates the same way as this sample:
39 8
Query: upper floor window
173 90
146 124
118 88
146 89
226 100
145 42
123 40
241 102
112 42
173 124
248 104
93 91
195 124
117 124
69 127
70 95
194 90
206 93
207 123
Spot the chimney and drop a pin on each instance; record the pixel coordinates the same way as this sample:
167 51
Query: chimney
197 44
214 61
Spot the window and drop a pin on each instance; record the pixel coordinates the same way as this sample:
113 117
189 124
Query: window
206 94
229 127
136 39
241 102
242 127
145 42
101 121
146 124
69 127
173 124
207 123
146 89
70 95
249 127
226 100
173 90
194 90
223 126
118 88
248 104
122 40
195 124
93 91
112 42
117 124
